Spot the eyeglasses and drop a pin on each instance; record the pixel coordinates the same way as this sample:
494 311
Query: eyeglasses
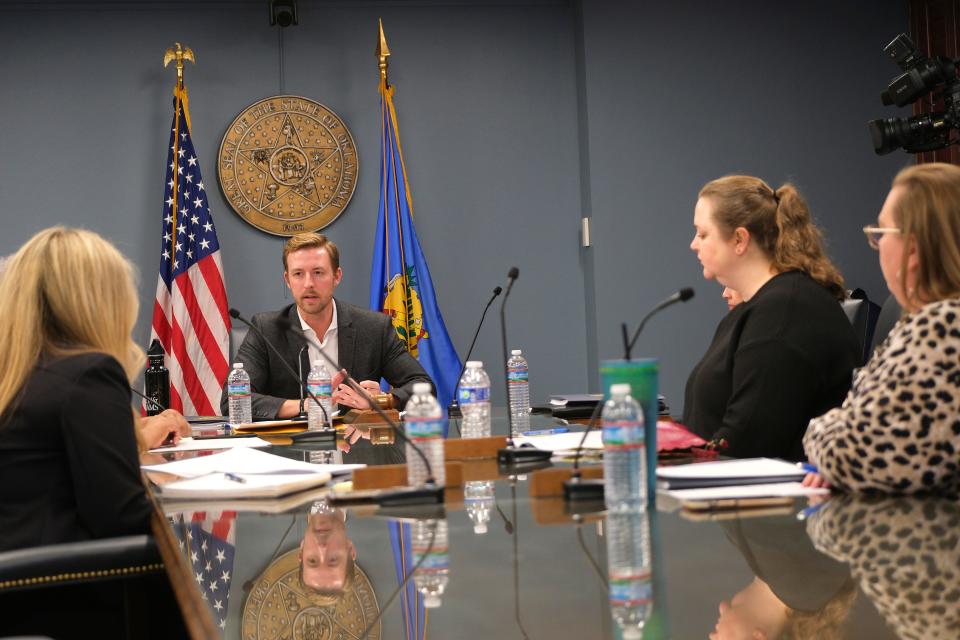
875 233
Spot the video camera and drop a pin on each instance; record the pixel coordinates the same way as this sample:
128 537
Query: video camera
921 75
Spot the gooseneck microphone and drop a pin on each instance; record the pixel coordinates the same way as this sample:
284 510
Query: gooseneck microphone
302 415
428 494
454 408
236 316
576 488
680 296
511 454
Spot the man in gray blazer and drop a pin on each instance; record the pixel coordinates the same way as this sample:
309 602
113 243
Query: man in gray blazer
363 342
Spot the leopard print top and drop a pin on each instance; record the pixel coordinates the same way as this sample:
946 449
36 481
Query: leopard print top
904 552
898 430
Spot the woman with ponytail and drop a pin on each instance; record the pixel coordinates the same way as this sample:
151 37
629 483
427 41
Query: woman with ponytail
787 352
69 465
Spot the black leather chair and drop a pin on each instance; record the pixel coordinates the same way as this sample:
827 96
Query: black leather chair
862 314
890 313
110 588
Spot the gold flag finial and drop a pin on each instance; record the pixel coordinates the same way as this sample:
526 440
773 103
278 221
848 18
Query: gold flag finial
179 54
382 52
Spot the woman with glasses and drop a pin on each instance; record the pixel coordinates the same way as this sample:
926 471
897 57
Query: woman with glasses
783 355
899 428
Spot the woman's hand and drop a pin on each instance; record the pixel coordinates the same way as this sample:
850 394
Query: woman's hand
815 481
164 428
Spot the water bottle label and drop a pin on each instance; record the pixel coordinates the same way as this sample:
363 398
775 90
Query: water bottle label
436 560
320 390
469 395
627 434
631 590
518 375
238 390
424 428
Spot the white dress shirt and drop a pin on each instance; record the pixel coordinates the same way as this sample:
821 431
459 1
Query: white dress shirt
329 343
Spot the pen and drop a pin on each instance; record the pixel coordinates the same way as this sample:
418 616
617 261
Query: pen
806 466
809 511
546 432
234 477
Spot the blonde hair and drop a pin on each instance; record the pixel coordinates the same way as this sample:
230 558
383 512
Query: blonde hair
928 214
312 240
778 221
66 291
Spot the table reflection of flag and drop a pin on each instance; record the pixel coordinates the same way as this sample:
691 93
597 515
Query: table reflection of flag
400 283
411 603
208 540
190 311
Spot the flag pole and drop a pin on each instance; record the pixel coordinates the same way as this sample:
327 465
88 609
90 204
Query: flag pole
382 52
179 55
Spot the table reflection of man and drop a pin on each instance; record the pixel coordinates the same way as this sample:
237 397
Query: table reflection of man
327 555
797 591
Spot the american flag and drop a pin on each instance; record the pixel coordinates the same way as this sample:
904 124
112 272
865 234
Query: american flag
190 311
208 540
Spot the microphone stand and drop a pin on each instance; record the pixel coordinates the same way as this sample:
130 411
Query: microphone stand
401 586
430 493
513 455
303 414
516 560
454 408
576 488
326 434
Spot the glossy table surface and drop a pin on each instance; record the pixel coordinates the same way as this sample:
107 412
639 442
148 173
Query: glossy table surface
511 566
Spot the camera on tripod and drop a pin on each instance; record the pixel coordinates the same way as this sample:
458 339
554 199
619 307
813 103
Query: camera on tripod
921 75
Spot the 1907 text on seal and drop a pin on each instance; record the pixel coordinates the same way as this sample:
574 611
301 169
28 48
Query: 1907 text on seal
288 164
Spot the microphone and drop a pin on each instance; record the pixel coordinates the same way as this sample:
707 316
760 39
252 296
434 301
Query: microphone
236 316
680 296
511 454
577 488
454 408
428 494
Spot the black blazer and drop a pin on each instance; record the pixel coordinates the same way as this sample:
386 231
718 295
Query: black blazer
368 348
69 467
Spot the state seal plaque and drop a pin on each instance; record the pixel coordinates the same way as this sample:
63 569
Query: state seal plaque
288 164
281 607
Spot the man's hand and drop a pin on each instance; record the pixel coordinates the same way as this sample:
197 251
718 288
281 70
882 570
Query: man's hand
350 436
164 428
346 395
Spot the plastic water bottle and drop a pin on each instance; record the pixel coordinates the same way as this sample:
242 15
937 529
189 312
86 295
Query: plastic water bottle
424 426
240 411
478 497
628 567
432 576
319 382
624 456
475 401
518 379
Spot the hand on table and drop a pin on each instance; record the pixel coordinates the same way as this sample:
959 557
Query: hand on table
347 396
166 427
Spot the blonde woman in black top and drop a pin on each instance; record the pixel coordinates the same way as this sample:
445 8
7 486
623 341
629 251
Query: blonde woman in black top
69 467
786 353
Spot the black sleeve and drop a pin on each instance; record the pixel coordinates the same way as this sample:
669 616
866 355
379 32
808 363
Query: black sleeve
772 390
101 449
400 369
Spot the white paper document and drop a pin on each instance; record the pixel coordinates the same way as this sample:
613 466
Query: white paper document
246 461
193 444
242 485
728 472
557 442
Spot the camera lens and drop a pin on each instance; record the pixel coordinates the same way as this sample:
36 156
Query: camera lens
918 133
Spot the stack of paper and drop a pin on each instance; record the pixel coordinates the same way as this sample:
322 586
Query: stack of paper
560 443
734 480
243 473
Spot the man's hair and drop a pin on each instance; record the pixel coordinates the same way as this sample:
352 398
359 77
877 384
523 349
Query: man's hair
312 240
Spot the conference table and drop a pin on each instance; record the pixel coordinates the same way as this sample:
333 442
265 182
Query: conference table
497 563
